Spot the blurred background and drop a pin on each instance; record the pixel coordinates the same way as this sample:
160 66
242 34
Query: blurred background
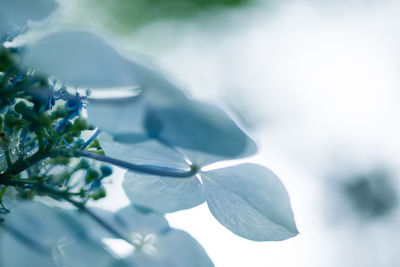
316 83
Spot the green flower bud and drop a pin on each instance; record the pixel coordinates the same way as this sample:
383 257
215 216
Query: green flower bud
106 170
83 164
59 112
92 174
81 124
20 107
98 193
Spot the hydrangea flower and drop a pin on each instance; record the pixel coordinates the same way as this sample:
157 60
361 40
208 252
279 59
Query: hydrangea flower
163 137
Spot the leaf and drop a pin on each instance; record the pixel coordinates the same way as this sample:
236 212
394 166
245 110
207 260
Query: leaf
19 12
250 201
39 235
163 194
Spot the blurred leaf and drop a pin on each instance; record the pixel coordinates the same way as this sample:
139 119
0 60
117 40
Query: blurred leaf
250 201
37 235
372 195
128 15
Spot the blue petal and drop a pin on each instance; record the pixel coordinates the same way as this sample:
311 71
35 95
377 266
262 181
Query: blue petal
173 249
250 201
133 219
163 194
205 133
129 220
18 12
127 115
149 152
82 59
156 243
118 117
3 27
35 234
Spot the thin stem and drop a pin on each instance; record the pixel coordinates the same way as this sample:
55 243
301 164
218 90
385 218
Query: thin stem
98 220
33 180
2 192
25 239
82 207
22 164
90 140
8 157
147 169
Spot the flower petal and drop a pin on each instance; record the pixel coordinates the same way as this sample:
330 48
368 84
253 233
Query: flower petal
163 194
250 201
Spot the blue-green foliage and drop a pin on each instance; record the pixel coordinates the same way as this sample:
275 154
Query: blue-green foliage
162 137
127 16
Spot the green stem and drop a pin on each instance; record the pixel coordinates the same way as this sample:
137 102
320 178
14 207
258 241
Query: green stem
140 168
22 164
8 157
2 192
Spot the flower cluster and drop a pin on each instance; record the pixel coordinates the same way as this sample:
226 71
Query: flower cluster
40 129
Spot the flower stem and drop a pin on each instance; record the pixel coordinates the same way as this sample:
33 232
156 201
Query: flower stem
141 168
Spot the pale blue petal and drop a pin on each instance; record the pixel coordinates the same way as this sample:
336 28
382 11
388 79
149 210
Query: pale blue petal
36 235
129 221
128 115
173 249
133 219
118 116
205 133
163 194
250 201
3 27
82 59
156 243
149 152
18 12
202 132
